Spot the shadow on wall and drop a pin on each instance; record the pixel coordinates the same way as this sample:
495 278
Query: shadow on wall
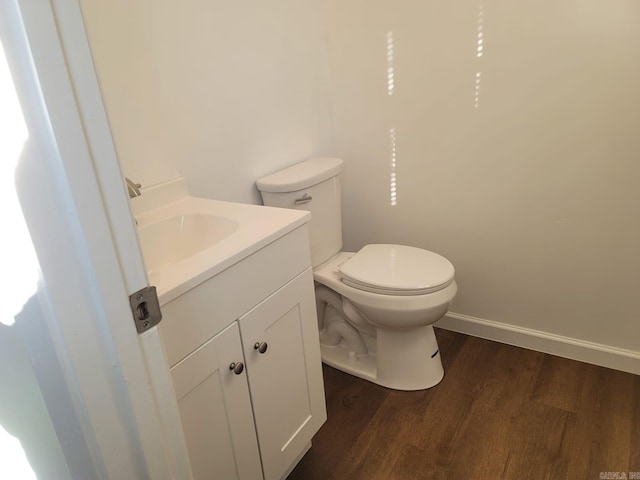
29 447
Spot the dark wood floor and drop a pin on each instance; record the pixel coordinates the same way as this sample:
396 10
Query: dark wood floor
499 412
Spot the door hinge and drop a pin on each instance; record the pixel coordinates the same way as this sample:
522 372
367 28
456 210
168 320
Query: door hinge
145 308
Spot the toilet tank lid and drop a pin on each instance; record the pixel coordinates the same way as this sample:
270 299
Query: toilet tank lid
301 175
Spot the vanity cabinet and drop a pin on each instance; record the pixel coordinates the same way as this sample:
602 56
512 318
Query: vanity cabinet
254 421
215 409
285 377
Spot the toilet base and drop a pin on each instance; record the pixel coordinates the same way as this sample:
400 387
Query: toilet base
399 359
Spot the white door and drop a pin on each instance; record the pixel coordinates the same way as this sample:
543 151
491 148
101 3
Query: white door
282 351
107 391
215 407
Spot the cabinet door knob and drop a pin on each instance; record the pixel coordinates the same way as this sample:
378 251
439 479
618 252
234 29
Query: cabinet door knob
237 367
261 346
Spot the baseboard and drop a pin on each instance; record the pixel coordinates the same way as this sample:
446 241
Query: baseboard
594 353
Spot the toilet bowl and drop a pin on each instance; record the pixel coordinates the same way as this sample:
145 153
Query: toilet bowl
376 306
402 351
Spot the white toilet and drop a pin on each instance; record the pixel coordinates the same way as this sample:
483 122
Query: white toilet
375 306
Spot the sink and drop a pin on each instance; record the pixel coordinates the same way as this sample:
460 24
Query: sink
186 240
176 238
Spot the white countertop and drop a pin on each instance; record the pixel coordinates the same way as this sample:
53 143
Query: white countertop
258 227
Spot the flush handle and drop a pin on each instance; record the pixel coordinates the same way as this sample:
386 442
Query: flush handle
261 347
306 198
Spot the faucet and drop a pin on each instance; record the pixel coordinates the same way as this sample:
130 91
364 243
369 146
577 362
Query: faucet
133 188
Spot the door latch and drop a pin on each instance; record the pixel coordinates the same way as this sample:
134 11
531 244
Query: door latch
145 308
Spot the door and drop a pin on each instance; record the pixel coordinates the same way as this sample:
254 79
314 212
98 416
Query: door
282 351
214 403
110 403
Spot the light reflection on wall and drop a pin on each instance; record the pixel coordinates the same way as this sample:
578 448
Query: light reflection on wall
480 42
479 52
390 69
393 184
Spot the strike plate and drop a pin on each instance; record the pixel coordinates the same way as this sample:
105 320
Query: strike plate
145 308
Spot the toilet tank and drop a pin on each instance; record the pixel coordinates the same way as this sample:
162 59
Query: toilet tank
313 185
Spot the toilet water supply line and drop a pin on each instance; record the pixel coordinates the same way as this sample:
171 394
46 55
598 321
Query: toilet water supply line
333 326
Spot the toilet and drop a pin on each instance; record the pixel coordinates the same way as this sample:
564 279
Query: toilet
376 307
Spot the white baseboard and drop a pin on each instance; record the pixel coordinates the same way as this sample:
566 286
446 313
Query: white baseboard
594 353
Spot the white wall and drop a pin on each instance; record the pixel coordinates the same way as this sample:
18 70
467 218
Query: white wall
219 92
534 195
520 165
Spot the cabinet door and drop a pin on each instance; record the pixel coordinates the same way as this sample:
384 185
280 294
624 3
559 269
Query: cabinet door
286 382
215 409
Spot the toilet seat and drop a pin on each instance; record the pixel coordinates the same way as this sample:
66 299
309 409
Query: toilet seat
397 270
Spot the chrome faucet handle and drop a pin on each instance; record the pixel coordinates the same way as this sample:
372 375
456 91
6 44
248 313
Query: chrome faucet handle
133 188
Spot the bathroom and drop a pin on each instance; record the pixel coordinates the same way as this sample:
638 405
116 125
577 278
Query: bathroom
511 131
502 135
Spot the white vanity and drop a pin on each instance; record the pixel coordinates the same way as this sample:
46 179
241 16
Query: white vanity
239 327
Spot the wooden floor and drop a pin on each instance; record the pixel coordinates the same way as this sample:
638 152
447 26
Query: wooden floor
499 412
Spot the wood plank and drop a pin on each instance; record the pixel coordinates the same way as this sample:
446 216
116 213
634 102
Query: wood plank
535 437
605 416
376 451
560 383
482 446
351 404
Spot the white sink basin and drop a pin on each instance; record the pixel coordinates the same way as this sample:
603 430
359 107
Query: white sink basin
176 238
186 240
